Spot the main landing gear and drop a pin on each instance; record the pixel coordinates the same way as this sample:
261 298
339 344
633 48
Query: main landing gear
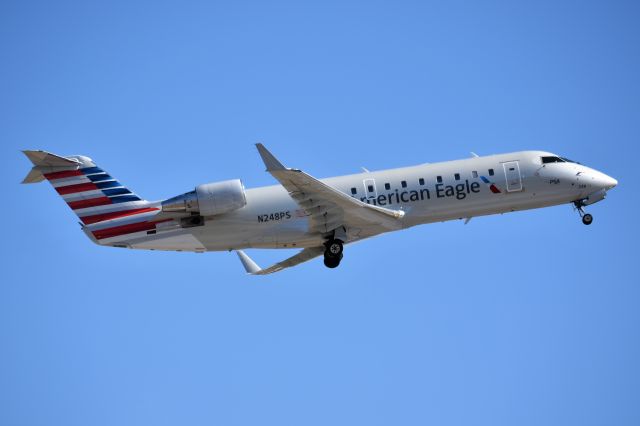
587 219
333 253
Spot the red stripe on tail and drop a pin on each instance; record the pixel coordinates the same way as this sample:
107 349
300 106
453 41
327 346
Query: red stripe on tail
64 174
126 229
72 189
91 202
115 215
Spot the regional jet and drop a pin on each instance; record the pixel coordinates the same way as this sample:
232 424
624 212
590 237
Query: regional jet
318 216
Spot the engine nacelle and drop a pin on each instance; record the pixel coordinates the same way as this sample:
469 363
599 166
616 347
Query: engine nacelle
209 199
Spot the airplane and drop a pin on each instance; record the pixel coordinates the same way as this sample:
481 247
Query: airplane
319 216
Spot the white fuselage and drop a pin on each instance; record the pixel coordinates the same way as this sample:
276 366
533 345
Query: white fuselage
426 193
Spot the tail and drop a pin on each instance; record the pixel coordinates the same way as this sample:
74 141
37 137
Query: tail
107 208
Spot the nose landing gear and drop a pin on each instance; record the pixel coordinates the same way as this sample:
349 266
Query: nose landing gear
333 253
587 219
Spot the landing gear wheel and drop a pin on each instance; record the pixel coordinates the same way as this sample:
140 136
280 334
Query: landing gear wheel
334 249
586 217
332 262
333 253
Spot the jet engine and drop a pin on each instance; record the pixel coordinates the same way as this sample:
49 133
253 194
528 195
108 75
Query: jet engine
209 199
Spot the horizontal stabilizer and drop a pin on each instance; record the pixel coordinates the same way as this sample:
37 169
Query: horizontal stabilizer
45 162
34 176
46 159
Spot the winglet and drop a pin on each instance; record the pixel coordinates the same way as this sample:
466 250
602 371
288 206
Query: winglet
249 265
474 155
269 160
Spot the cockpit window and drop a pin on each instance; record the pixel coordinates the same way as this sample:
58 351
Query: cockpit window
554 159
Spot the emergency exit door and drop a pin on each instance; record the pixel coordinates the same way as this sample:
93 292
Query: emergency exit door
512 175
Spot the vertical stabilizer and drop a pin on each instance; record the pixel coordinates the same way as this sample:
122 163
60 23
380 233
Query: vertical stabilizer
108 209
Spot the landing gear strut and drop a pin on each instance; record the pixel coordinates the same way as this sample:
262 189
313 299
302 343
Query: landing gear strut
587 219
333 253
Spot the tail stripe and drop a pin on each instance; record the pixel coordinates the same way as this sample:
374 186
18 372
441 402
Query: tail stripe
63 174
125 198
72 189
108 184
91 170
115 215
99 177
69 181
111 207
126 229
116 191
91 202
82 195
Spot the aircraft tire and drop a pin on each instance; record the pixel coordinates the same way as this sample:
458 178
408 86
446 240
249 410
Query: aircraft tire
334 249
331 261
587 219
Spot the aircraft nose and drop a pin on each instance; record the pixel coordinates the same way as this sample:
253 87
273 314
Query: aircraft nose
606 182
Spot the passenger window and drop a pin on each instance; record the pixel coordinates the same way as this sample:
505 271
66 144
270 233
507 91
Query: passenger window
421 181
439 179
354 191
387 186
474 174
457 176
404 183
490 172
370 188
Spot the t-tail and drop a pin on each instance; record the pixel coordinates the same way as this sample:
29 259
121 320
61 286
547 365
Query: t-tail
109 211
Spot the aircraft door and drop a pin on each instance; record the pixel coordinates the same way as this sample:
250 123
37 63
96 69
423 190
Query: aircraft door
370 188
512 174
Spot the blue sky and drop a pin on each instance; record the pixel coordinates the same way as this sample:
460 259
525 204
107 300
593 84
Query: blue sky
527 318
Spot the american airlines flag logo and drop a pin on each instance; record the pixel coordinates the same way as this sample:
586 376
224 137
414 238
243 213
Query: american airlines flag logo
491 185
108 208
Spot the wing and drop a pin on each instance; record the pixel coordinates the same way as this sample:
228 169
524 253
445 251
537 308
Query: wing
328 208
252 267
